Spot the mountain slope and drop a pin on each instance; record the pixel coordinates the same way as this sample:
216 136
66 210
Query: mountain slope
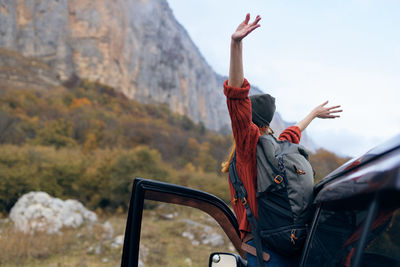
135 46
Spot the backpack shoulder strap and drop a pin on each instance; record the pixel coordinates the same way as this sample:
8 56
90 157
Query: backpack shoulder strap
240 190
241 194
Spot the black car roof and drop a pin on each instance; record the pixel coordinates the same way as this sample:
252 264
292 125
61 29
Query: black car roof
378 169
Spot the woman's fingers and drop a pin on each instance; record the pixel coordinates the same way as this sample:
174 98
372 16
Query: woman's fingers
247 19
335 111
327 112
323 104
245 28
254 25
258 18
334 107
252 28
328 116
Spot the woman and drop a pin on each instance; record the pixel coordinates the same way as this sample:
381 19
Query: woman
250 118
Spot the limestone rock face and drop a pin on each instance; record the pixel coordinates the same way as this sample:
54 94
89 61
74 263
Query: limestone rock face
19 72
38 211
136 46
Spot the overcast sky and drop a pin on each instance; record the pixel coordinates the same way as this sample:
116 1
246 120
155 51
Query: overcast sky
306 52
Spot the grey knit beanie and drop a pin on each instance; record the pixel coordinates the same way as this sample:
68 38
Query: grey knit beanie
262 109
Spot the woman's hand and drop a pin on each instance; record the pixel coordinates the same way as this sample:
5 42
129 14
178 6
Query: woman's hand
323 112
245 28
236 76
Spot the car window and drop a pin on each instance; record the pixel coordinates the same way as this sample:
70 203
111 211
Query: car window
174 235
337 234
383 248
334 228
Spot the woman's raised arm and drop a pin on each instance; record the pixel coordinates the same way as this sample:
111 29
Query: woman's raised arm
236 75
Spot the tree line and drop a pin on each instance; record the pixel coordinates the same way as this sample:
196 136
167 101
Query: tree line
85 140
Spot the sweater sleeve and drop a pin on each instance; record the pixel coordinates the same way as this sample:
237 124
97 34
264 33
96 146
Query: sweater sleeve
245 132
291 134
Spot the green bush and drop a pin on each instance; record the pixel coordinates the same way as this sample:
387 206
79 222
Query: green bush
36 168
100 179
115 173
57 133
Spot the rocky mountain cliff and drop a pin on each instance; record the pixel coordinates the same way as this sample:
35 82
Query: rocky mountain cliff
135 46
19 72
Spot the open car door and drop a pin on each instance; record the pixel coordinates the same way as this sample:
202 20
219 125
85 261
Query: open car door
168 193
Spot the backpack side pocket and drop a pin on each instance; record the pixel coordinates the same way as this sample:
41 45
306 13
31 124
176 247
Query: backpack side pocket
287 241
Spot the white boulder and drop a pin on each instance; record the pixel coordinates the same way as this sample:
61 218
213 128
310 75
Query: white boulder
206 233
38 211
118 241
108 230
213 239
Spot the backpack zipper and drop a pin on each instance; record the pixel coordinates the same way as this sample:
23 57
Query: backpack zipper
284 228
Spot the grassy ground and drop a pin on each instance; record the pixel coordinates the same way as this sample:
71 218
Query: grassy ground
74 247
162 241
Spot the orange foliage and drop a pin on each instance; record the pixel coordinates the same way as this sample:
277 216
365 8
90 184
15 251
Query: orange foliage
79 102
324 162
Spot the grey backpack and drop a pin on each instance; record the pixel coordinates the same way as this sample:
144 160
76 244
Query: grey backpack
285 181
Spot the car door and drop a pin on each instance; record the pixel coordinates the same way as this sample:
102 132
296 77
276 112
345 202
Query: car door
143 190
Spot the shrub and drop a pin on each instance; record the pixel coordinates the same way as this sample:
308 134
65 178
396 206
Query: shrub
36 168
